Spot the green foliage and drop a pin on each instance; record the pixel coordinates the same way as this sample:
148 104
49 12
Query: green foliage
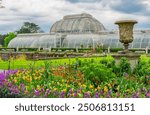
108 61
124 66
2 37
143 67
96 72
99 50
29 28
10 36
48 70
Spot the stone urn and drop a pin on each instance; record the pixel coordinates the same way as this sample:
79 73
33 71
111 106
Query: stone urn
126 32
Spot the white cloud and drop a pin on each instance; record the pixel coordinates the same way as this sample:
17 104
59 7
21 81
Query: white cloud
46 12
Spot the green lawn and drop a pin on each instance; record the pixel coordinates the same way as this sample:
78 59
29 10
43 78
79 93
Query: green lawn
20 64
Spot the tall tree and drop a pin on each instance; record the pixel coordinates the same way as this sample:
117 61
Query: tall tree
2 37
29 28
10 36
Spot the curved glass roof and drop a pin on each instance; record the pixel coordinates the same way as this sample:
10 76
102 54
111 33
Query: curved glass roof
24 40
34 41
47 41
141 40
75 24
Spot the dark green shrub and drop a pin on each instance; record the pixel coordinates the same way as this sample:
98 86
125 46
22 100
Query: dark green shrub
108 61
143 66
99 50
124 66
97 73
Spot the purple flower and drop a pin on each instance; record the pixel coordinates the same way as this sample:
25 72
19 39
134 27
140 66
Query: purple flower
101 92
149 90
62 94
9 84
68 94
42 90
87 95
56 93
96 95
45 95
75 93
37 93
147 95
108 96
2 77
70 90
48 91
21 85
109 92
5 74
136 95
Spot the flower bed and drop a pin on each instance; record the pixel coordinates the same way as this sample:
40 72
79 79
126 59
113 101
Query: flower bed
81 79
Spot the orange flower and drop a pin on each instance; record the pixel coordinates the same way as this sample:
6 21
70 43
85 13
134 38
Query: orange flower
98 88
91 86
105 89
55 89
109 85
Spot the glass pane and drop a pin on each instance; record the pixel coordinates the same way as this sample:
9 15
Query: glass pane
144 45
136 45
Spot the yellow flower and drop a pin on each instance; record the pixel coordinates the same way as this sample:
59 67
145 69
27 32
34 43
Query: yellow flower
52 82
84 85
30 79
66 85
55 89
65 90
24 77
79 84
63 80
58 83
109 85
36 72
15 80
91 86
38 87
105 89
98 88
35 78
33 74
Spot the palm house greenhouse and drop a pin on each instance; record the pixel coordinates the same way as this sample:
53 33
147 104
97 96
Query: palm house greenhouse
75 30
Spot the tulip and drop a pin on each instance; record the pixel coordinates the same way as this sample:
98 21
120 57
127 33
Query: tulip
96 95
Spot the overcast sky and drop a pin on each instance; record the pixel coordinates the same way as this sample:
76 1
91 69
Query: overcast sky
46 12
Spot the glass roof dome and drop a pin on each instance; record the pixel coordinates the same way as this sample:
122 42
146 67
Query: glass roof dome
77 24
